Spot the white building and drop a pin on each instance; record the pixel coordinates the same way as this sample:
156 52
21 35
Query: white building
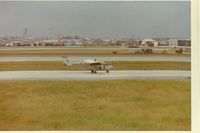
72 42
150 42
173 42
9 44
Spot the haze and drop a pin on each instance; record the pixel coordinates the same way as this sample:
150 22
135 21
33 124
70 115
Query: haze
96 19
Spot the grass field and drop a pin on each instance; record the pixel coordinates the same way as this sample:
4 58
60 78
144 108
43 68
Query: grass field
151 65
95 105
80 53
117 65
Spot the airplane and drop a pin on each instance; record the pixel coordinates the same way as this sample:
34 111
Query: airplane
94 65
91 64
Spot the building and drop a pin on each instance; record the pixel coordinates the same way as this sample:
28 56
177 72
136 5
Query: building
173 42
150 42
121 43
72 42
16 43
51 43
184 42
2 42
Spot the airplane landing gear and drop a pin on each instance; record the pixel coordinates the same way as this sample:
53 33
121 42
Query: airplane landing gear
93 71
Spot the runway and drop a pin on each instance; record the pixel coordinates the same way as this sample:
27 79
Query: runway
86 48
77 59
67 48
101 75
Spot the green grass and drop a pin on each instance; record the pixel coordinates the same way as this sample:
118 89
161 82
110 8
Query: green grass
117 65
95 105
151 65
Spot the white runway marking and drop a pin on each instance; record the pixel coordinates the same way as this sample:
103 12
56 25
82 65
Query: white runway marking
101 75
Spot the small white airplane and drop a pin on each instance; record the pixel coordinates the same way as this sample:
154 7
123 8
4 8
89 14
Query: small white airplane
94 65
91 64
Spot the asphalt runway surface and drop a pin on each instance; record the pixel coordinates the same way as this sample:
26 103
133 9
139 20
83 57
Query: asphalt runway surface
87 48
67 48
77 59
100 75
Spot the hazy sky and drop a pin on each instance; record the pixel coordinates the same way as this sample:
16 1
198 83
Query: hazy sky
97 19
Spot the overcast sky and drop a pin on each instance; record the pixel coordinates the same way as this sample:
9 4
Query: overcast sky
96 19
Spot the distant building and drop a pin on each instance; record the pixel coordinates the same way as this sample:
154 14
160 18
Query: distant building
72 42
173 42
87 41
98 41
184 42
51 43
121 43
2 42
150 42
163 43
9 44
106 40
16 43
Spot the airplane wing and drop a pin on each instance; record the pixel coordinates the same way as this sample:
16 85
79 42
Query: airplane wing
93 62
96 63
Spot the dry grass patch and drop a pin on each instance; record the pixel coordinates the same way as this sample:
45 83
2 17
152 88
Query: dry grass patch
95 105
117 65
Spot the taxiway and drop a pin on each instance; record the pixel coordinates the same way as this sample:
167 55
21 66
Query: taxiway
101 75
78 59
